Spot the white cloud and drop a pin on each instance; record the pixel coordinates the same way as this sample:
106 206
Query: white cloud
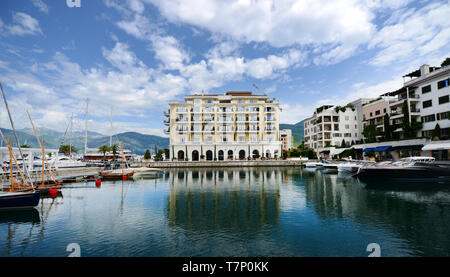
422 32
24 24
280 23
40 5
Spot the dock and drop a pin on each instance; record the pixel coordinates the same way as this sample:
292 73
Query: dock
61 175
234 163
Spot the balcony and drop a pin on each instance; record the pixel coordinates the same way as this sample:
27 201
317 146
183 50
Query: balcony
167 113
167 122
167 131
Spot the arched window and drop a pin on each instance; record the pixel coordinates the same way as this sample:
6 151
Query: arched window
195 156
209 155
221 155
180 155
255 154
242 155
230 154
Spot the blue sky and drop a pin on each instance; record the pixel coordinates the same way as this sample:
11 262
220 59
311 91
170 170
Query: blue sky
135 56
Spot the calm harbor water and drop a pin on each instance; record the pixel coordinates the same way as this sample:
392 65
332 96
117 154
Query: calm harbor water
232 212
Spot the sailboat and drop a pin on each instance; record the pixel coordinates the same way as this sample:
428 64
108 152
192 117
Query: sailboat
17 199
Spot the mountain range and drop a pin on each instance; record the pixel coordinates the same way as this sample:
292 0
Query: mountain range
136 142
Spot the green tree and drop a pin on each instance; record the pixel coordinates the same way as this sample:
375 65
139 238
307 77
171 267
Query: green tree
114 149
158 155
436 132
343 144
103 149
387 127
166 153
147 155
66 149
25 146
371 132
446 62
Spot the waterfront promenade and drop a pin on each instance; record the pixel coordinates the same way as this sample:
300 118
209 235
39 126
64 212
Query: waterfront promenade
188 164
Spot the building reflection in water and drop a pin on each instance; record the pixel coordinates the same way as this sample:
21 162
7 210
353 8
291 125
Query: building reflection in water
237 200
422 217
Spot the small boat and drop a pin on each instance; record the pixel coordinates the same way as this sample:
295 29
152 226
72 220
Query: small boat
331 167
143 173
349 167
116 174
22 200
313 164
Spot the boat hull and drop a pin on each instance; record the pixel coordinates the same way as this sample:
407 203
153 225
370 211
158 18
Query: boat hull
13 200
377 176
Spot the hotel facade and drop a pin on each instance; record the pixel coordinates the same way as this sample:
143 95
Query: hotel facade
229 126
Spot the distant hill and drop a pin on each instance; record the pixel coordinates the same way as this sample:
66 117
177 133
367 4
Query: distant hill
136 142
297 131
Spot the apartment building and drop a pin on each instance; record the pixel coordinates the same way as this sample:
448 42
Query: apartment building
286 139
229 126
374 111
432 85
331 125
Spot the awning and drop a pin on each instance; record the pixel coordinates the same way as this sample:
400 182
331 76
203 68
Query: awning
382 148
407 148
437 146
368 149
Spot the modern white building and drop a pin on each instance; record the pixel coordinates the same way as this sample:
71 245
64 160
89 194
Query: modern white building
432 86
229 126
331 125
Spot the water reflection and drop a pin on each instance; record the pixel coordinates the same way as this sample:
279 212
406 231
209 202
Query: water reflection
420 216
231 199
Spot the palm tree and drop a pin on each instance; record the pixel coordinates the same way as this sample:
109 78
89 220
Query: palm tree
103 149
114 149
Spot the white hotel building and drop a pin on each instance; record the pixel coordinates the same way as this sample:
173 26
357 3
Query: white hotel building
229 126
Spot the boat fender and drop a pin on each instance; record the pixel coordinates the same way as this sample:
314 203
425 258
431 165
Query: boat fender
98 183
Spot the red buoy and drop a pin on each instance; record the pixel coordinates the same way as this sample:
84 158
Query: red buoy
98 183
53 192
92 177
124 177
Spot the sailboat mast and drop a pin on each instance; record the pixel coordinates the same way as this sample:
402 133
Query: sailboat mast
70 138
86 127
15 135
110 135
11 167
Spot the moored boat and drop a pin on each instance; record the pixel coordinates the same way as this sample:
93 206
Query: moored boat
10 200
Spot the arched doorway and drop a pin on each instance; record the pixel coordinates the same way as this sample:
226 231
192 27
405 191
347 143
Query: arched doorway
230 154
209 155
180 155
242 155
221 155
195 155
276 154
268 154
255 154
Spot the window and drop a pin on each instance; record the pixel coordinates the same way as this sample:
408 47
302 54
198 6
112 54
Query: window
241 138
427 104
253 138
270 138
348 135
377 112
442 116
428 118
209 101
370 114
443 99
337 135
426 89
356 126
347 126
209 139
181 139
443 83
347 118
384 110
197 138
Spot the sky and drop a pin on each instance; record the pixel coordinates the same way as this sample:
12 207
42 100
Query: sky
130 58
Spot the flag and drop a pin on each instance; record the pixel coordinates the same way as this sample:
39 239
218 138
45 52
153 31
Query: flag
256 86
